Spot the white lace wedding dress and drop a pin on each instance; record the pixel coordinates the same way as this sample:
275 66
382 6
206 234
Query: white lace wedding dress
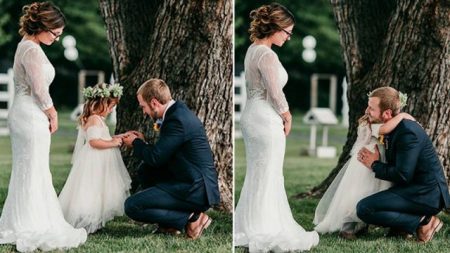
263 219
98 183
353 183
31 217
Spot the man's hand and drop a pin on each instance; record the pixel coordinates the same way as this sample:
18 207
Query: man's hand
138 134
128 139
367 158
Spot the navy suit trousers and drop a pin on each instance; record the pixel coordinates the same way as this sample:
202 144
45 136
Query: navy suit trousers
154 205
388 209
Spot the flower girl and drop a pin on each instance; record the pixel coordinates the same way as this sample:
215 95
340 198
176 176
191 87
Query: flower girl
336 210
98 183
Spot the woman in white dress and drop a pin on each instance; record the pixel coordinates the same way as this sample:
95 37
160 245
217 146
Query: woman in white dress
31 217
263 218
336 210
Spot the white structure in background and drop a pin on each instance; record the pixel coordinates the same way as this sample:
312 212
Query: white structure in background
345 108
240 97
309 54
320 117
315 90
81 84
6 96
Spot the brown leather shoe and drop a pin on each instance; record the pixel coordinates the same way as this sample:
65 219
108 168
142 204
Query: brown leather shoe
195 229
167 231
426 232
347 235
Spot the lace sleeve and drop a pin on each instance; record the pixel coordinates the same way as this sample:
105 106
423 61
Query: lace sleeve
270 79
33 62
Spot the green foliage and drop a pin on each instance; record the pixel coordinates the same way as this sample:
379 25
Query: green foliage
301 173
312 18
121 234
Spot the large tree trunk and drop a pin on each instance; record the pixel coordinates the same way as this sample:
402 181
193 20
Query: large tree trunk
188 44
404 44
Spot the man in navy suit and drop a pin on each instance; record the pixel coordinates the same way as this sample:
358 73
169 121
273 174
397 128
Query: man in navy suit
178 169
420 189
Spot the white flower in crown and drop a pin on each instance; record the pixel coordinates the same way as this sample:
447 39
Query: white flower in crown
103 90
116 90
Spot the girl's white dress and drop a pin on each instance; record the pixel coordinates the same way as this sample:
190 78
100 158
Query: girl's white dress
31 216
263 219
353 183
98 183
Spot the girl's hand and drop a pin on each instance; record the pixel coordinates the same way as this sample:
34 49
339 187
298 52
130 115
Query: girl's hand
117 142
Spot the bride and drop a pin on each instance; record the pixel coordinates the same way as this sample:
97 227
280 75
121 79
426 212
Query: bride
263 219
31 217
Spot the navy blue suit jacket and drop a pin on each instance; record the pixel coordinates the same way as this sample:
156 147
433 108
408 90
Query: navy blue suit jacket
183 150
413 166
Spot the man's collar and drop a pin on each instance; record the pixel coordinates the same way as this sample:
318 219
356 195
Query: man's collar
169 104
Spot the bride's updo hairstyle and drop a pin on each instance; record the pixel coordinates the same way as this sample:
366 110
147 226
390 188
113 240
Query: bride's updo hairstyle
40 16
269 19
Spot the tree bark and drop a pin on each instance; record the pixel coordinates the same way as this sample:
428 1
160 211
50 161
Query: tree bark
404 44
189 45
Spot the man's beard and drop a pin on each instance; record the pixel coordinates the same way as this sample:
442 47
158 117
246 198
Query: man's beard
154 116
375 120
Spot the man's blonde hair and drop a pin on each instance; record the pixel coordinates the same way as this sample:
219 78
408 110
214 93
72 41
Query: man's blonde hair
155 88
389 99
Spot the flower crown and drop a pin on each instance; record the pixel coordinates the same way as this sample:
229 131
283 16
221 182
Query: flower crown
103 90
403 99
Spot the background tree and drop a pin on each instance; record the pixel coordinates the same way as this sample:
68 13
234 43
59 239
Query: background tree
404 44
187 44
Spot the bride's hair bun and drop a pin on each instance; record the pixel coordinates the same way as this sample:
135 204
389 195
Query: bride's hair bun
269 19
40 16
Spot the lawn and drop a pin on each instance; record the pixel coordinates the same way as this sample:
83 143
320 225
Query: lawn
302 172
121 234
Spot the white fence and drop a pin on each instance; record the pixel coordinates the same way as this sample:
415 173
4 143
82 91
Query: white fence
6 97
240 97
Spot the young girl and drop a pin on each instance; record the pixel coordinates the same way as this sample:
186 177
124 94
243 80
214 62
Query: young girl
336 210
98 183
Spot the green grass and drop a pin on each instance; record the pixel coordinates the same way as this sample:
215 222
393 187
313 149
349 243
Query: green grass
121 234
302 172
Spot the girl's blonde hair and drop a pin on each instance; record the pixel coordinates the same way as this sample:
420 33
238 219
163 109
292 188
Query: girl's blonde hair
95 106
363 120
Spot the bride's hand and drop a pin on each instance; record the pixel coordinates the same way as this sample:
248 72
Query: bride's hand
53 124
52 118
287 122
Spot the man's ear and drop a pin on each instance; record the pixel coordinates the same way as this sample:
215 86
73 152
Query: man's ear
387 114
